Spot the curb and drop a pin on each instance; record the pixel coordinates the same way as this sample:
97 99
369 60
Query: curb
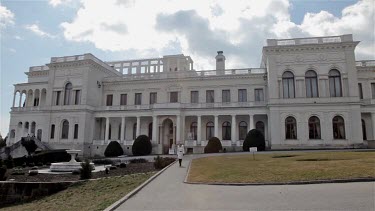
188 172
136 190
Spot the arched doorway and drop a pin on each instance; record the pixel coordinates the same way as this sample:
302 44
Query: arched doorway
168 135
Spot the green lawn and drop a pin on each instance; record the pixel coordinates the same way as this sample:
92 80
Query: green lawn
90 195
281 168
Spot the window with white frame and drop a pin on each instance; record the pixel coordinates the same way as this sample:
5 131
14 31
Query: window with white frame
259 95
242 95
226 96
288 85
311 81
210 96
138 99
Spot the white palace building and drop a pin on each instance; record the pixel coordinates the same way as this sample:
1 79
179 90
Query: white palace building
307 93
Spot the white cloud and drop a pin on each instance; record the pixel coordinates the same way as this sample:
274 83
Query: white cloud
55 3
200 28
12 50
36 30
6 17
18 37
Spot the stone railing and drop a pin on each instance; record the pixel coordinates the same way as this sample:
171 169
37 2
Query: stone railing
38 68
310 40
365 63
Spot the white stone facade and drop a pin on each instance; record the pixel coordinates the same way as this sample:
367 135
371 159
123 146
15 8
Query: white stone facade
304 95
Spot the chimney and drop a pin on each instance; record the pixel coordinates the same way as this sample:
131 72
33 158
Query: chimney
220 61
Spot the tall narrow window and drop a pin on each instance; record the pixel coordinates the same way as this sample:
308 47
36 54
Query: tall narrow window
311 81
260 126
209 130
153 97
52 131
173 97
242 130
242 95
210 97
77 99
193 130
138 99
226 131
338 126
226 96
58 94
290 128
314 128
150 130
288 85
373 90
68 93
360 91
335 83
364 134
123 99
194 96
75 131
65 129
259 96
109 100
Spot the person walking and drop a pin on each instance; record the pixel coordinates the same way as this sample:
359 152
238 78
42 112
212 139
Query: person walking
180 153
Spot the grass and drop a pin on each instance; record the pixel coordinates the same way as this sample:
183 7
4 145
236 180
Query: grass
89 195
283 167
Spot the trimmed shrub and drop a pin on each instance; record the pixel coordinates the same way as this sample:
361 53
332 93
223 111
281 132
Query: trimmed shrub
122 165
112 168
213 145
33 172
254 138
161 162
142 146
86 170
18 171
9 162
113 149
138 160
29 145
76 172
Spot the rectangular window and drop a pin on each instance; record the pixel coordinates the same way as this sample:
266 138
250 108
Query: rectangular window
77 99
259 95
226 96
75 131
109 100
153 97
242 95
52 131
138 99
194 96
373 90
58 94
123 99
173 97
210 96
360 91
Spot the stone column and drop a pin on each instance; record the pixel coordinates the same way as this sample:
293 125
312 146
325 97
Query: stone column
106 129
199 129
14 99
178 129
373 125
155 129
216 126
122 132
183 133
233 132
251 122
19 104
138 131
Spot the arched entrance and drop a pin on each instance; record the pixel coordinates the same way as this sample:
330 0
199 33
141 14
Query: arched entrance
168 135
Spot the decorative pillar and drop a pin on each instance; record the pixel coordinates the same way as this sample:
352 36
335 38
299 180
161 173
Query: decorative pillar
233 132
138 131
14 99
251 121
199 129
373 125
106 129
122 132
178 129
19 104
216 124
155 129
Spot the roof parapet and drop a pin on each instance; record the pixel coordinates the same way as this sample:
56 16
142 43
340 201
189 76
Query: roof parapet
310 40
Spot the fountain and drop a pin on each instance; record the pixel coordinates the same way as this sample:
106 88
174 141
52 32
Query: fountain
68 166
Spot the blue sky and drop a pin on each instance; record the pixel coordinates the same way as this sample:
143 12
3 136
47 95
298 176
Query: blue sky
34 31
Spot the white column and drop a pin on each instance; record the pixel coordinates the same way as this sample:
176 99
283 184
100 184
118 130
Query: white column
155 129
251 122
183 133
138 131
199 129
39 97
106 129
373 125
19 105
178 129
122 132
233 132
216 126
14 99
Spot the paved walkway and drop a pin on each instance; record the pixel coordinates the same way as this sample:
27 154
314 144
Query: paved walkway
168 192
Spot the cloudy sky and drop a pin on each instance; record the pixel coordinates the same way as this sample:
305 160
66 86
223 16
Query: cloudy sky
34 31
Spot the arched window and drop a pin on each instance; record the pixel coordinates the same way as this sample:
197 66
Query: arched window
311 81
290 128
242 130
260 126
193 130
68 93
226 131
364 129
338 126
314 128
335 83
150 130
288 85
134 131
65 129
209 130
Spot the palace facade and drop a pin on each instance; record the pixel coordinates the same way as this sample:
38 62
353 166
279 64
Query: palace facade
307 93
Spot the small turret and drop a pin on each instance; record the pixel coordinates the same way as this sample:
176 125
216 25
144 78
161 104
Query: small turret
220 61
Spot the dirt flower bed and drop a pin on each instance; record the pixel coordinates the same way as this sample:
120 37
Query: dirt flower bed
131 168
